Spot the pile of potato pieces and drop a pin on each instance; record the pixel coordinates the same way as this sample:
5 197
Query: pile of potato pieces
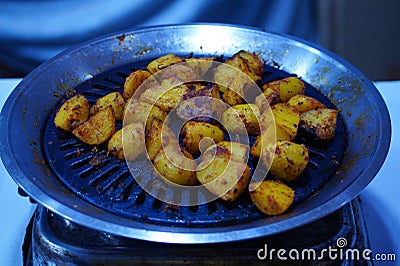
291 110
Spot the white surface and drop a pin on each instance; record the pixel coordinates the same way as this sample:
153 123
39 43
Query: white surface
380 199
15 210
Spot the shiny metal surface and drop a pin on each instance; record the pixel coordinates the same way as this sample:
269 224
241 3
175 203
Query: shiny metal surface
24 115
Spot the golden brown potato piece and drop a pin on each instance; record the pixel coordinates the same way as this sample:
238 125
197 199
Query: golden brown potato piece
240 62
253 61
235 117
287 88
133 82
153 138
304 103
232 83
127 143
223 177
177 74
171 98
287 117
163 62
288 159
232 98
232 150
165 99
272 197
157 135
193 132
237 75
268 137
141 111
267 98
115 146
115 100
72 113
98 129
195 86
200 65
181 171
319 123
201 104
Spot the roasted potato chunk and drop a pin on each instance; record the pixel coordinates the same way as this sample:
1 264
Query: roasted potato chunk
133 82
72 113
232 98
163 62
165 99
267 98
193 132
305 103
288 159
240 62
171 98
272 197
201 104
232 83
98 129
200 65
136 110
286 88
253 61
232 150
181 171
268 137
223 177
243 114
153 138
127 143
319 123
158 135
177 74
115 100
286 117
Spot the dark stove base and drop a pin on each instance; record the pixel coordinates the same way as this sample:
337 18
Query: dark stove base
52 240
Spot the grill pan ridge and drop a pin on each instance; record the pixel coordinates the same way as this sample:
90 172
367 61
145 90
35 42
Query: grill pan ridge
102 193
107 183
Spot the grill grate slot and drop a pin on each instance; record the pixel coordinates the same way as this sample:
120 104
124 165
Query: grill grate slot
104 89
110 182
66 141
123 184
157 204
107 183
115 80
123 75
81 161
75 151
83 174
140 200
102 175
312 164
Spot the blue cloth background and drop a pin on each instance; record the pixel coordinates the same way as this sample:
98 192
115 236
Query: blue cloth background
34 31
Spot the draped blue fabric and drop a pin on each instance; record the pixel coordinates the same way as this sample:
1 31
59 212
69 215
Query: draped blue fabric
33 31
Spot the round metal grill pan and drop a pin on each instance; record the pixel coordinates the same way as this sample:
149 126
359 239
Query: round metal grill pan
107 182
25 120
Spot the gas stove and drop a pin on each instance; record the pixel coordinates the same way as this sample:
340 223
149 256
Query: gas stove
53 240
